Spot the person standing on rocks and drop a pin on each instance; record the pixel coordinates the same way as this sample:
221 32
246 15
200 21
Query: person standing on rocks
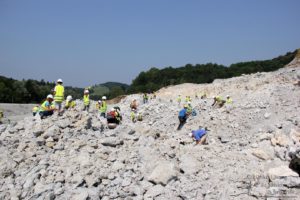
189 109
145 98
59 92
103 107
199 135
46 109
86 100
182 116
179 99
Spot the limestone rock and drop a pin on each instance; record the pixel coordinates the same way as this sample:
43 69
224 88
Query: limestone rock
163 173
111 141
154 191
281 171
261 154
189 164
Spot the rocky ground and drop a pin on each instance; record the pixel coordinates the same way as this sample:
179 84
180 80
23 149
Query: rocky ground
15 112
250 146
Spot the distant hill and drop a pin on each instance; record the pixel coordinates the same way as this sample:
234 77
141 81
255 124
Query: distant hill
32 91
109 89
155 78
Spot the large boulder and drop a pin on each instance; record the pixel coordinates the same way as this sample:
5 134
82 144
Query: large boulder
189 164
111 141
163 173
281 171
261 154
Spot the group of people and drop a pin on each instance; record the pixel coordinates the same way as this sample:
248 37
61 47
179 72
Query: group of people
54 102
134 114
200 134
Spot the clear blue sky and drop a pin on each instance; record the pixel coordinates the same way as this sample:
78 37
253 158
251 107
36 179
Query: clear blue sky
94 41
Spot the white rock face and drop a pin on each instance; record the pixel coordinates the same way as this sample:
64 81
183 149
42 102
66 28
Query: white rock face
75 156
281 171
163 173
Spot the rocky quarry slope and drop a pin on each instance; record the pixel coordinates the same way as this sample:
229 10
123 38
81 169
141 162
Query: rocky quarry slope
250 147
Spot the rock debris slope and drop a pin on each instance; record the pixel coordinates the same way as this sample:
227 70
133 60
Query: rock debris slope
249 148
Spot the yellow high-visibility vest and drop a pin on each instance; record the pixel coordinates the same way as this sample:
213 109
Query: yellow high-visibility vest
70 104
59 93
86 100
103 107
44 107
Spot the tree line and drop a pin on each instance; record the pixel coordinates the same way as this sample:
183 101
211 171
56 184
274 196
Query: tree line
32 91
155 78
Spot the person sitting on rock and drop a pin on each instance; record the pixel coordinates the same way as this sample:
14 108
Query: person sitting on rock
140 117
69 102
132 115
228 100
118 114
35 110
145 98
46 108
113 117
218 101
199 135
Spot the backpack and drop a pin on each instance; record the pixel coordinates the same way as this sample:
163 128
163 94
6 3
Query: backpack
110 115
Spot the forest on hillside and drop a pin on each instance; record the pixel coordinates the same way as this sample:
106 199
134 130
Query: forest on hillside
155 78
33 91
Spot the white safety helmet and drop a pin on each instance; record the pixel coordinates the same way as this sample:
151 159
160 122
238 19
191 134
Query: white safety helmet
59 80
69 98
86 91
190 134
227 96
104 98
50 96
112 109
189 103
99 101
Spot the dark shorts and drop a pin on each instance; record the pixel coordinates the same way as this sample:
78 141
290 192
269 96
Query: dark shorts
45 113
